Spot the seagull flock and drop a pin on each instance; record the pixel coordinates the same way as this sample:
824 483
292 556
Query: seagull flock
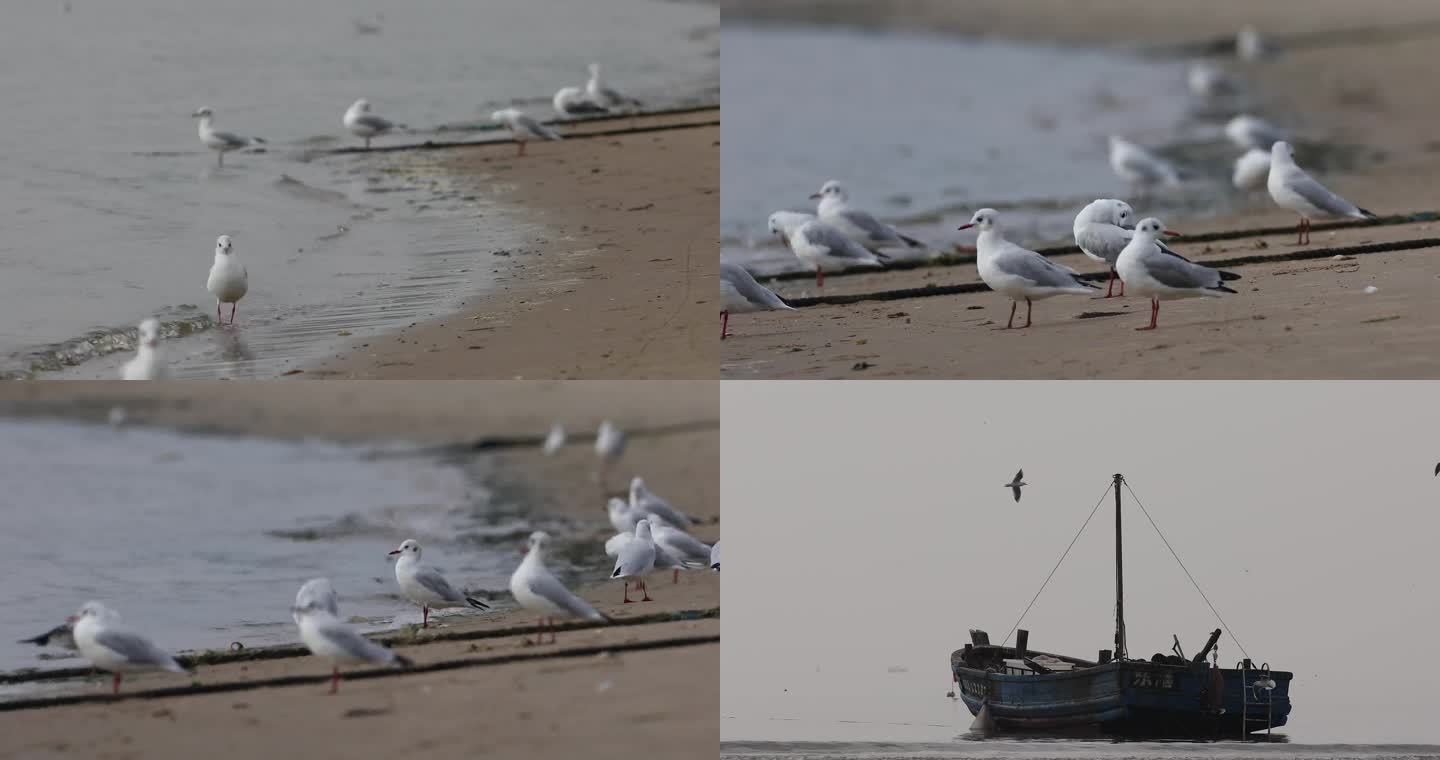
841 236
650 537
229 282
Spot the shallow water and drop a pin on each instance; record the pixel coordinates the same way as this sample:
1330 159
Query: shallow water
924 130
203 540
110 206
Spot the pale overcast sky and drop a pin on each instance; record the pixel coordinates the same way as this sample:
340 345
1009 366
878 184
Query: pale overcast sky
868 528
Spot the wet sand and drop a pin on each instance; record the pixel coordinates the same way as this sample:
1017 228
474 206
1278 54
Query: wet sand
1290 320
554 706
618 280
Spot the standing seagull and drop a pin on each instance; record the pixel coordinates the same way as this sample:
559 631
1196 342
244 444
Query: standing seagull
362 123
1102 230
554 440
572 101
110 646
522 127
331 639
1016 484
538 590
1292 188
1141 168
636 560
645 500
228 280
610 443
220 142
1016 272
835 209
147 364
603 96
426 587
820 245
740 293
1252 170
1253 132
677 543
1161 274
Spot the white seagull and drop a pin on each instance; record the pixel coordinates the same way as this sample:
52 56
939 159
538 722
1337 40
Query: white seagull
1162 275
106 643
835 209
645 500
1138 166
1248 132
610 443
62 636
1016 484
1102 230
555 439
362 123
1209 81
636 560
425 586
603 96
740 293
332 639
820 245
572 101
228 280
1292 188
1018 273
1250 46
147 364
522 127
1252 169
220 142
539 591
681 545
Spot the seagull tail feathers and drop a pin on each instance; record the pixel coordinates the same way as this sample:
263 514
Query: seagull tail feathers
476 603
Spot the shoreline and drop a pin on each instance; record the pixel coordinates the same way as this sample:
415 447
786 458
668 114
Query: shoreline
612 283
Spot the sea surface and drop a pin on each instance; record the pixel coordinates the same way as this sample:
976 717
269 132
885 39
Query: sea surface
110 206
200 541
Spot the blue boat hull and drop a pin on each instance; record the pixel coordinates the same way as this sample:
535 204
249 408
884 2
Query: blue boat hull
1129 698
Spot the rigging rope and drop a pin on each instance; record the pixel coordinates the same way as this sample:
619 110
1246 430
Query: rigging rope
1187 570
1057 566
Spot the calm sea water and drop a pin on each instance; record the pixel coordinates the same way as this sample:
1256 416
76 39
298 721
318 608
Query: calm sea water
203 540
110 206
1070 750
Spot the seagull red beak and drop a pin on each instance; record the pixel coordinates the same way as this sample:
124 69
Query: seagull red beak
966 226
71 619
397 551
813 196
1172 233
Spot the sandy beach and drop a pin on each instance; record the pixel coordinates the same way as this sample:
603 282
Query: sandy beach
617 281
1290 319
487 692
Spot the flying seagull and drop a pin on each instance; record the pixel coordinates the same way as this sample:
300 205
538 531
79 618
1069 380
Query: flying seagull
1015 484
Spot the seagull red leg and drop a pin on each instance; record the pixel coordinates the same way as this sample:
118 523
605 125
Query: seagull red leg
627 593
645 589
1011 323
115 688
724 325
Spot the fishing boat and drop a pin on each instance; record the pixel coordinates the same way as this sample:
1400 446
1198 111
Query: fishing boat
1168 696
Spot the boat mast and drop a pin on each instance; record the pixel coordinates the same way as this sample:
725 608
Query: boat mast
1119 577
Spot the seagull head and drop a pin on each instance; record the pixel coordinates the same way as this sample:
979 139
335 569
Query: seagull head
503 115
202 113
986 219
642 529
360 106
616 507
150 333
408 548
783 223
1149 227
223 244
539 542
94 610
1282 151
1121 214
831 189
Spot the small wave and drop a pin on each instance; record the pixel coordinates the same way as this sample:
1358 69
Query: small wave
23 365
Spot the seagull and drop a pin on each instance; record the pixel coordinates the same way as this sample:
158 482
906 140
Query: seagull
1209 81
834 209
426 587
1102 229
330 638
1250 46
572 101
220 142
1138 166
609 447
522 127
108 645
228 280
603 96
1163 274
147 364
1016 272
317 594
1253 132
1251 170
715 557
740 293
646 501
636 560
664 560
820 244
680 545
622 516
555 439
536 589
62 636
1016 484
362 123
1292 188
